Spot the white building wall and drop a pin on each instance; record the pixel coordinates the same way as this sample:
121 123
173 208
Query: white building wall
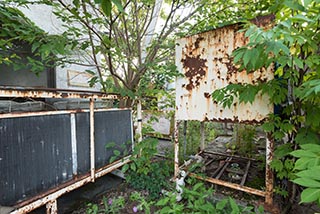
71 76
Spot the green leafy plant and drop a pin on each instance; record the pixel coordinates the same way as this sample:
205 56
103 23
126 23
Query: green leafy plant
143 172
308 172
118 151
110 206
143 204
199 199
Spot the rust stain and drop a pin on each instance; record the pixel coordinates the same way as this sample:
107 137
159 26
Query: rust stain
196 43
195 70
207 95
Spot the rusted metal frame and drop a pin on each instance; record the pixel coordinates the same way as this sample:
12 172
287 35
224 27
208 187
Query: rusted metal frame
224 168
220 167
39 113
269 174
230 185
45 113
51 196
52 207
105 170
41 93
92 149
244 177
227 155
176 149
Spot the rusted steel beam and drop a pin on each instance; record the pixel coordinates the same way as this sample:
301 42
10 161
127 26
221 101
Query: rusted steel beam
53 93
51 195
230 185
227 155
244 178
43 113
269 173
92 149
226 163
220 167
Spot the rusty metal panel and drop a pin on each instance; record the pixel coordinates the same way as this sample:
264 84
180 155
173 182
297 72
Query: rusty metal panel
206 62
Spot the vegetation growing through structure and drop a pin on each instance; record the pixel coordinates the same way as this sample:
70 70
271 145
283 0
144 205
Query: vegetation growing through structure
292 45
136 64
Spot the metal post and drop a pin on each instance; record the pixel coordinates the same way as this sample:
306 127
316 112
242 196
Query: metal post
269 174
139 120
92 152
176 149
74 144
202 136
52 207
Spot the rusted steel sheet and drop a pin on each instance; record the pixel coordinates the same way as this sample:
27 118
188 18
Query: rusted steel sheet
230 185
52 93
206 62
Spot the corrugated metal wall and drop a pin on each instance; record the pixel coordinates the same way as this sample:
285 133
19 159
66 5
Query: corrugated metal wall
36 151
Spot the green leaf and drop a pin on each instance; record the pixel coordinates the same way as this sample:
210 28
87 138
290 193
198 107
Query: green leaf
294 5
311 147
116 152
125 168
307 182
106 7
119 5
310 195
303 153
312 173
283 150
163 201
221 204
302 163
133 167
246 57
112 159
298 62
234 206
110 145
